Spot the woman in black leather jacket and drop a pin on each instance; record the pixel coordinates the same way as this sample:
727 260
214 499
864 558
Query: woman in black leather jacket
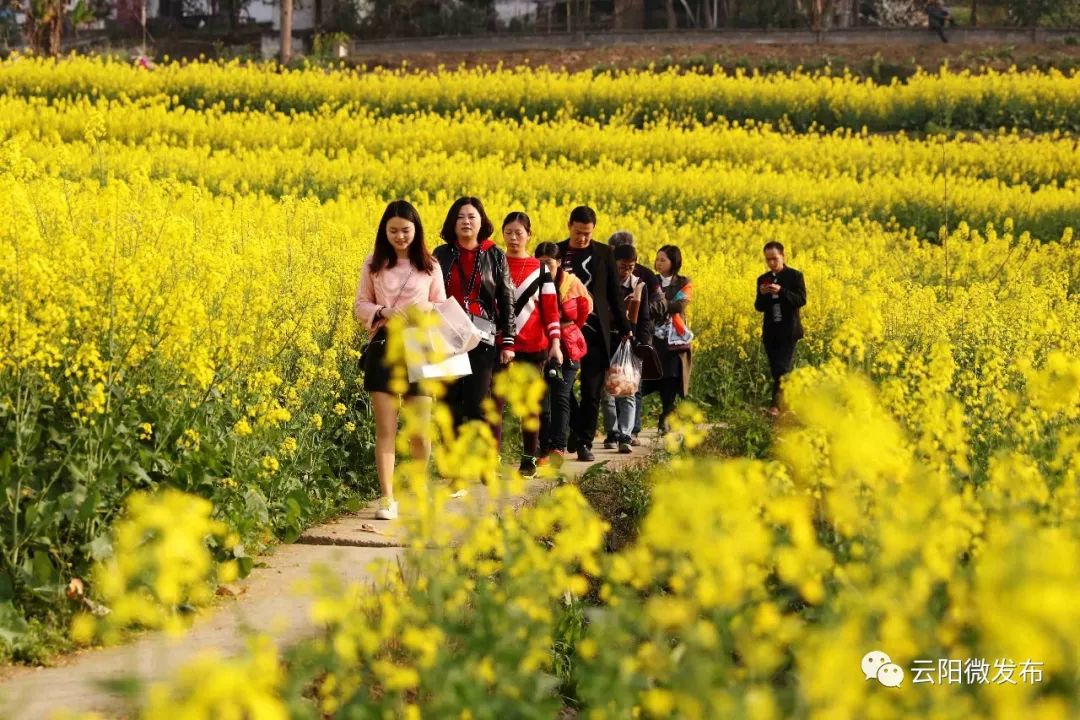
477 275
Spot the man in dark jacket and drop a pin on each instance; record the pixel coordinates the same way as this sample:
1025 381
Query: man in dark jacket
937 15
593 264
780 294
655 302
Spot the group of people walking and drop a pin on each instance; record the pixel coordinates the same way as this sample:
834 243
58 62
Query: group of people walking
562 308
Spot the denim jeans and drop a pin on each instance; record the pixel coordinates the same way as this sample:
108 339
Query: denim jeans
555 411
618 417
638 403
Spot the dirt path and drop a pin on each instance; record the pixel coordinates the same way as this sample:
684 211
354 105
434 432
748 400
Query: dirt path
867 50
265 602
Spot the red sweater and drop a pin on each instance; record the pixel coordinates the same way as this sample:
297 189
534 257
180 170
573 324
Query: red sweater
536 304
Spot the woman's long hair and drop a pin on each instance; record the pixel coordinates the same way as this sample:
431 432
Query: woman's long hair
449 234
385 256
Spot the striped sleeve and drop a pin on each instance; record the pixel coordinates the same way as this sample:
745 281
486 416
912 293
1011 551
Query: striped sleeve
549 307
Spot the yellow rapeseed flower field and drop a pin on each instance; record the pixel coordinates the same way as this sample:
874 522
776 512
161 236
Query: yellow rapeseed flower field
177 265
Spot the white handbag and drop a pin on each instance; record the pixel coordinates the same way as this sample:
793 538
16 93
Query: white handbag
457 328
423 346
451 368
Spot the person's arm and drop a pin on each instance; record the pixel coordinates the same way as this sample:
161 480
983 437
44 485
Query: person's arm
365 309
437 288
677 305
643 327
633 307
504 297
549 306
644 321
549 315
657 300
614 297
584 309
796 294
761 300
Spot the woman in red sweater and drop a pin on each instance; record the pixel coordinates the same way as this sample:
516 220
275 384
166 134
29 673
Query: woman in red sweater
575 306
536 306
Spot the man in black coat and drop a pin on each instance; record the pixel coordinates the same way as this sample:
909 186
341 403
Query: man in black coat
937 15
655 301
780 294
593 264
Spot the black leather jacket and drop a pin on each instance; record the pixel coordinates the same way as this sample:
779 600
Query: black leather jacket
496 287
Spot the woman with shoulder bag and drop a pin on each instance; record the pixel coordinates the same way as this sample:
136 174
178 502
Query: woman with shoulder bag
398 276
476 274
672 337
539 334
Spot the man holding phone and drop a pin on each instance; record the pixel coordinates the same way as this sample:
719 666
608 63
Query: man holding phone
593 263
780 293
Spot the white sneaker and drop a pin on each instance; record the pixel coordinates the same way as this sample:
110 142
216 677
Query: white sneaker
459 493
387 509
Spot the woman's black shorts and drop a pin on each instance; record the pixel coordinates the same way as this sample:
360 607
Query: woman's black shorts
377 375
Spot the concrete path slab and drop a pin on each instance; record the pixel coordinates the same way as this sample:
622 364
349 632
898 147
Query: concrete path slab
265 602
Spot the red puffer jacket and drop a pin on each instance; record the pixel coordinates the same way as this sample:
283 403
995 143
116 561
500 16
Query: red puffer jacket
575 305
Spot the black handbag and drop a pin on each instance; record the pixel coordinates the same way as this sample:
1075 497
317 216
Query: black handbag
651 368
366 347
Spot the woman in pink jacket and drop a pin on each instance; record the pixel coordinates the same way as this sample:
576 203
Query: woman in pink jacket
400 274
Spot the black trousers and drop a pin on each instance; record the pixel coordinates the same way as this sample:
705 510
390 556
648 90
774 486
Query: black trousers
938 26
530 439
670 389
781 354
556 411
466 395
593 371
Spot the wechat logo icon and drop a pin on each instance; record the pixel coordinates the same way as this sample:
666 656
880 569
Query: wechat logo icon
876 664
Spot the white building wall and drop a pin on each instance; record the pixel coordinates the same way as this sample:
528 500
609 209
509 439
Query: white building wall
507 10
263 11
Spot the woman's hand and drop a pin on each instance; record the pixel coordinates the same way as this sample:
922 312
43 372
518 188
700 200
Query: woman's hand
506 356
555 352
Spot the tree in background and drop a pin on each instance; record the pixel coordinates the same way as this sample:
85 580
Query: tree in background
629 14
286 31
1034 13
896 13
406 18
45 19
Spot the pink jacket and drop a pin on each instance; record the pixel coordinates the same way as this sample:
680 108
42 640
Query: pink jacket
395 288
